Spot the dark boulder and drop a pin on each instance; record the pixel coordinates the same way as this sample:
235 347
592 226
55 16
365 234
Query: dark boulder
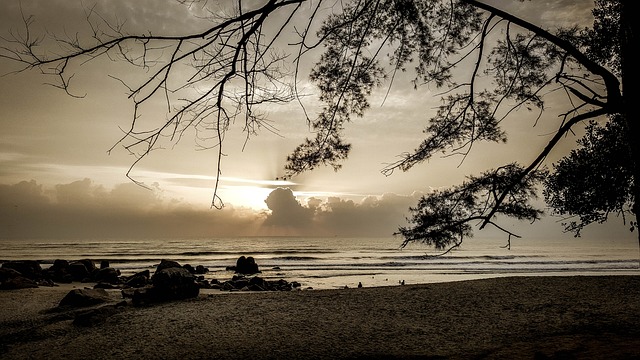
78 271
89 264
246 265
201 270
8 273
189 268
139 279
174 283
59 272
144 273
104 264
11 279
30 269
166 264
60 264
107 275
85 297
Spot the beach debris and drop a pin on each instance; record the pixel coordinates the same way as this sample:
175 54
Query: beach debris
85 297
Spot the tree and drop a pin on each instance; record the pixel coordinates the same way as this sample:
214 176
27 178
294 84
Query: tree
489 64
595 179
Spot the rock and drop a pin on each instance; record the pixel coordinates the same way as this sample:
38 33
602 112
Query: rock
257 280
144 273
106 285
30 269
8 273
174 283
201 270
89 264
11 279
189 268
85 297
137 281
166 264
104 264
227 286
256 283
78 271
97 316
240 283
59 272
46 282
246 265
107 275
60 264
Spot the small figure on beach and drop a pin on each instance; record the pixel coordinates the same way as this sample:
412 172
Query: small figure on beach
401 282
359 284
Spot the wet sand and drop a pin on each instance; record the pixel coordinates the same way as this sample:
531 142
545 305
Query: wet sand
573 317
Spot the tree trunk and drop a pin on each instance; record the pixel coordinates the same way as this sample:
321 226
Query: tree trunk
630 63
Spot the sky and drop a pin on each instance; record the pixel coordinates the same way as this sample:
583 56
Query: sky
58 179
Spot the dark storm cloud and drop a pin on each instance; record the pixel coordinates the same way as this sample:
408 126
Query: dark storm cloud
343 217
286 211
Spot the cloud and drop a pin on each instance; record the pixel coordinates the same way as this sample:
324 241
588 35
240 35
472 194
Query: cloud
84 209
286 211
373 216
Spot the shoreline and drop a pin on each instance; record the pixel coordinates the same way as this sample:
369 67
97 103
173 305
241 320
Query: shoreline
496 318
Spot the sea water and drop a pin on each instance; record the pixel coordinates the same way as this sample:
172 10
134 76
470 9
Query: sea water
336 262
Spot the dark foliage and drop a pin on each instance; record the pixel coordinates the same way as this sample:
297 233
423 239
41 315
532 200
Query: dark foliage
595 179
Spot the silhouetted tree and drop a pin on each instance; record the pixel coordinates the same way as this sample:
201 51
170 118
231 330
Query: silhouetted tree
596 179
452 44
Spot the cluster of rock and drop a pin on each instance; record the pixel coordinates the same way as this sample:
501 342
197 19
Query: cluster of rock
170 280
29 273
22 274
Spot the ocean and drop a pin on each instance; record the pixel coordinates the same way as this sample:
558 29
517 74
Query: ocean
327 263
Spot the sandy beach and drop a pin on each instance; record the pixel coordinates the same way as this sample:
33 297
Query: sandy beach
573 317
